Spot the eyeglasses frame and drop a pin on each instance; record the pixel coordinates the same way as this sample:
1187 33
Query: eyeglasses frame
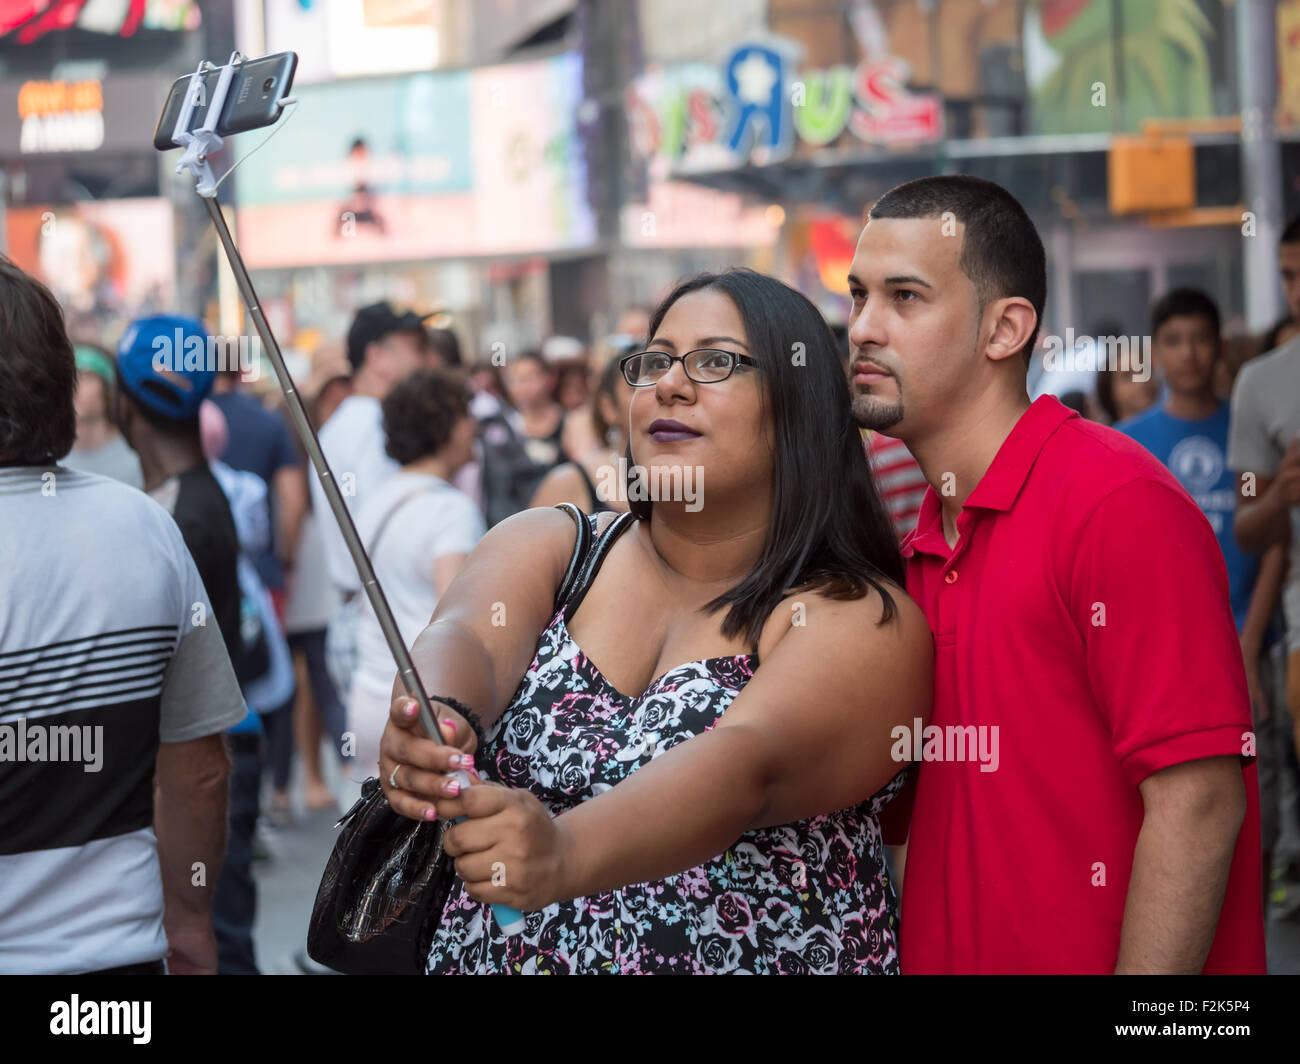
737 360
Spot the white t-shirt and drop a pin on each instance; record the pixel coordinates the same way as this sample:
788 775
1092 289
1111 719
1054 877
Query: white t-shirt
1265 419
108 643
313 598
429 519
353 442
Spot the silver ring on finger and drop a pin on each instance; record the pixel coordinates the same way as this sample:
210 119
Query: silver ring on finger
392 778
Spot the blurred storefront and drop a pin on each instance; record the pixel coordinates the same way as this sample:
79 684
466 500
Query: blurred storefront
537 166
445 183
632 142
404 188
808 110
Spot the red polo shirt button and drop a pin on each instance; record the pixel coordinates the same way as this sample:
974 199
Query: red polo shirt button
951 578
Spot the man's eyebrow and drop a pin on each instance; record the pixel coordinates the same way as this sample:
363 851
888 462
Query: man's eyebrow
903 279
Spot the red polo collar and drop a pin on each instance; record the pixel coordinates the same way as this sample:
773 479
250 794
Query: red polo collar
1002 481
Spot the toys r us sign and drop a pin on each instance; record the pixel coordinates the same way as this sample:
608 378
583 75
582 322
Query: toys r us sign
755 108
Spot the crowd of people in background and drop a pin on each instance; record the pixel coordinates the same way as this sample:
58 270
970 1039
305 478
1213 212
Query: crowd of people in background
432 450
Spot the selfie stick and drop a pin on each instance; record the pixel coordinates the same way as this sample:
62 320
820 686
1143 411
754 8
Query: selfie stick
199 147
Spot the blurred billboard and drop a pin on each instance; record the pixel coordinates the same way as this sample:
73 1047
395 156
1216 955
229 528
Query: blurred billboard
28 20
433 165
106 261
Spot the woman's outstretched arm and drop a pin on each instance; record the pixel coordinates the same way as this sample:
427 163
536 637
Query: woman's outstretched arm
477 646
810 733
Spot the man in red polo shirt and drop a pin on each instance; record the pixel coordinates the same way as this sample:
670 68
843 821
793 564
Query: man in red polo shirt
1086 799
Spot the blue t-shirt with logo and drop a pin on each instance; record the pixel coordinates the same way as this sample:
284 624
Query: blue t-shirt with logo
1196 453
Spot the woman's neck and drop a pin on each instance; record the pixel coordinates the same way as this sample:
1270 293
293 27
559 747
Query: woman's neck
715 551
541 420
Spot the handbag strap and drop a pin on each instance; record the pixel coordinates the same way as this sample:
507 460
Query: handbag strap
581 546
594 559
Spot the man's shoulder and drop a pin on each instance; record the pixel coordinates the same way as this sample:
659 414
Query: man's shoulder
353 425
202 509
245 410
111 501
1267 371
1088 462
356 408
125 519
199 486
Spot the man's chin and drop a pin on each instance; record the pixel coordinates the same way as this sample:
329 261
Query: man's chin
878 415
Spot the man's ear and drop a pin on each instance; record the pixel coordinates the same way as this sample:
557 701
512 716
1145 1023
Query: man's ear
1012 322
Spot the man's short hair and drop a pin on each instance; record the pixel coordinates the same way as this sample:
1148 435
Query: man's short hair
1184 303
375 322
38 373
1001 251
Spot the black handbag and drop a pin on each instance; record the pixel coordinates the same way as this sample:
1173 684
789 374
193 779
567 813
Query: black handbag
387 879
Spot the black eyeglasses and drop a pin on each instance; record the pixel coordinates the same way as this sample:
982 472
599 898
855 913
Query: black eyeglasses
704 366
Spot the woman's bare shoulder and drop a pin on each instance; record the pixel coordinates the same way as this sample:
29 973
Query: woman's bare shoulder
530 537
850 625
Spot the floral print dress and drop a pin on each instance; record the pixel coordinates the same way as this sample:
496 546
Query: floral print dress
808 897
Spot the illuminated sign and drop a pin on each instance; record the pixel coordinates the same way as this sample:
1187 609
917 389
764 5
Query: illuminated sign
29 20
60 116
757 108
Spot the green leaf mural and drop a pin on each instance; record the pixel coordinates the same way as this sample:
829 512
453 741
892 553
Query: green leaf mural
1166 65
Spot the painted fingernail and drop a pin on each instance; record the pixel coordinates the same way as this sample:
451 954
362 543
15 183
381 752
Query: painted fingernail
411 708
431 814
452 787
467 763
455 760
451 724
473 772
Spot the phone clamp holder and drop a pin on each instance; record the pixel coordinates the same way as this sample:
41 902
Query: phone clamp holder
202 143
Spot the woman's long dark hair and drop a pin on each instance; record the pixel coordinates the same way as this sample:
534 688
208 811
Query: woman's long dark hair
829 530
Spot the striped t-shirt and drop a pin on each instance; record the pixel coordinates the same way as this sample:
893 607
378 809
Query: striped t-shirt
899 479
107 648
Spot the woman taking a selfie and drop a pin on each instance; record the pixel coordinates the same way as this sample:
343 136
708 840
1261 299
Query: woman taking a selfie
695 746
